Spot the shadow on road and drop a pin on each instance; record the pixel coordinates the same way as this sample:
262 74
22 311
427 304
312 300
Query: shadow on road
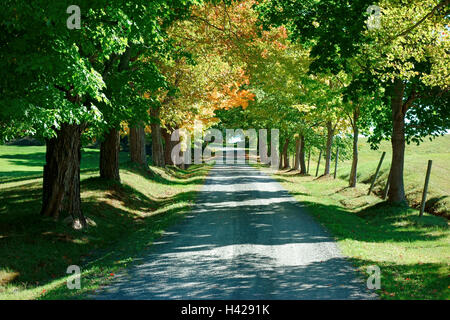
247 238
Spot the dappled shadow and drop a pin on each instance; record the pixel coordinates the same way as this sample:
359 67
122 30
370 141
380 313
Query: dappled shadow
15 205
246 238
36 159
246 276
38 250
369 179
182 177
386 212
89 163
115 191
19 175
432 205
409 281
183 173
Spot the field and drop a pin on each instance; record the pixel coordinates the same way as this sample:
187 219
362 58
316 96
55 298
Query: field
416 160
413 254
127 217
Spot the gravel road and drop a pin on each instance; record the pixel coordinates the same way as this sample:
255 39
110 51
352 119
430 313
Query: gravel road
246 238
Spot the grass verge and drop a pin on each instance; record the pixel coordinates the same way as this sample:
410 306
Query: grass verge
128 216
416 160
413 254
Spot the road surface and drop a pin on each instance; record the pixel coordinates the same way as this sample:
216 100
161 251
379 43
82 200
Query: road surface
246 238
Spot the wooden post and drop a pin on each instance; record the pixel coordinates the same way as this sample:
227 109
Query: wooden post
318 163
425 188
376 173
336 163
386 188
309 159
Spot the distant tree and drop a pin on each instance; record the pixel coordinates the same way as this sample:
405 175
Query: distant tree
408 53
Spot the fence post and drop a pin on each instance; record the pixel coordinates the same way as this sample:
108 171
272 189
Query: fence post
425 188
336 163
376 173
386 187
318 163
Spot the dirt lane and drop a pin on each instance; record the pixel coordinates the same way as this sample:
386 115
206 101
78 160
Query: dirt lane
246 238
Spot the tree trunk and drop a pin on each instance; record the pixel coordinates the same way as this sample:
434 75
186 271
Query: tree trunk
285 154
354 171
302 155
157 145
61 183
330 134
109 156
297 154
168 146
280 162
109 148
137 145
397 190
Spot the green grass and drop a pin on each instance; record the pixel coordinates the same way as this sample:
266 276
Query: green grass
413 254
35 252
416 160
19 163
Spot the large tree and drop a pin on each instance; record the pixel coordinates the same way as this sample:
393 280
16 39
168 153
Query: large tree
407 53
53 81
50 86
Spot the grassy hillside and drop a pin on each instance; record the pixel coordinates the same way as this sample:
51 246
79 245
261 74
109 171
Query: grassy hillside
413 254
127 217
416 159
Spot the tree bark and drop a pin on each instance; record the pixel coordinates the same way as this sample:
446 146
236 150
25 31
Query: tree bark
302 155
168 146
297 154
280 162
61 183
397 189
157 145
109 156
330 134
354 170
137 145
285 154
109 148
